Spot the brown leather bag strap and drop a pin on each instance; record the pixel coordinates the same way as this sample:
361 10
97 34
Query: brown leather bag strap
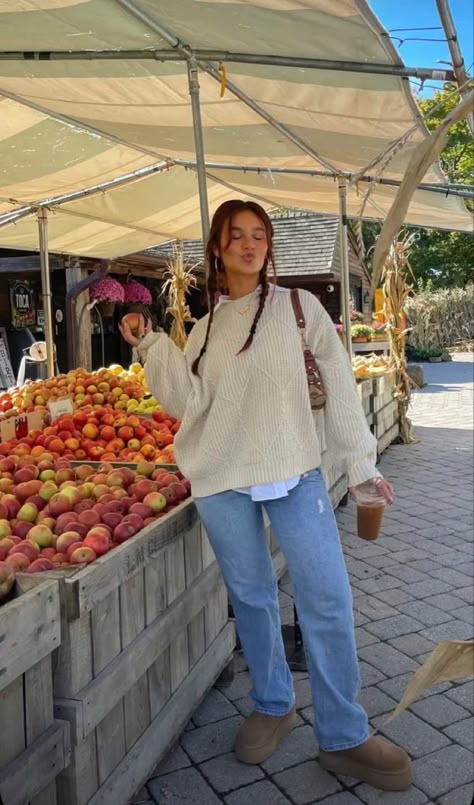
298 310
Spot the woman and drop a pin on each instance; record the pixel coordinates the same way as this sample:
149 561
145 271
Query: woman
248 436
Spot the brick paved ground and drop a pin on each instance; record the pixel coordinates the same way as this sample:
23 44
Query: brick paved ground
412 588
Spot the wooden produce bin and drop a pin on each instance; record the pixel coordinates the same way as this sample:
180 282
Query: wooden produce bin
386 425
34 746
145 635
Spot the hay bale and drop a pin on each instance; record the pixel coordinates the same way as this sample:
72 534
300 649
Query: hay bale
415 373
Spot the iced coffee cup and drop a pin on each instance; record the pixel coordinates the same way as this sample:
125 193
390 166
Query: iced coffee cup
370 508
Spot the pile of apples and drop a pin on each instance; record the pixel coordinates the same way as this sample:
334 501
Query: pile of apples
53 515
101 434
122 389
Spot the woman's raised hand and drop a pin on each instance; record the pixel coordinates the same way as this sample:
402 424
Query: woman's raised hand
135 338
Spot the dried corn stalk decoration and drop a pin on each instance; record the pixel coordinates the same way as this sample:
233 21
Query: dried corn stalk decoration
442 318
395 293
180 279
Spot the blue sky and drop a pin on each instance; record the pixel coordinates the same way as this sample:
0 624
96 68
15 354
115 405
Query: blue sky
418 13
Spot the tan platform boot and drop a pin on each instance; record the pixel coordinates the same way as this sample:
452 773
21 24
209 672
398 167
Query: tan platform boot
260 735
377 762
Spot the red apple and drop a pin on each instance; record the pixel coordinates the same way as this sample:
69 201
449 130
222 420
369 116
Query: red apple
99 543
20 528
124 531
156 501
39 565
42 535
82 554
27 548
65 540
18 562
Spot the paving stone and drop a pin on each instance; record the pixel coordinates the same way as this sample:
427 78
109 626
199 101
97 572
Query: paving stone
408 555
372 796
464 613
211 740
180 786
452 630
297 747
373 608
424 612
394 597
214 708
463 695
240 663
439 711
261 793
462 733
466 593
302 690
413 734
406 574
382 583
450 576
455 558
424 589
460 796
412 644
366 549
443 770
363 637
359 618
369 675
360 569
225 773
239 687
375 702
305 782
380 562
394 627
308 715
425 565
176 759
387 659
142 797
445 601
344 798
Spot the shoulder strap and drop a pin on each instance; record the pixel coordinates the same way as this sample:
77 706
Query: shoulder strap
298 310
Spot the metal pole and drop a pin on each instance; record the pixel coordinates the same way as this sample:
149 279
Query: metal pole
193 80
46 289
345 287
458 62
297 62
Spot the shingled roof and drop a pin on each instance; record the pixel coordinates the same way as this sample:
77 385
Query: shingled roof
305 244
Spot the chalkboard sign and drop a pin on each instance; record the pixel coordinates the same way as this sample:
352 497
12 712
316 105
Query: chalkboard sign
7 378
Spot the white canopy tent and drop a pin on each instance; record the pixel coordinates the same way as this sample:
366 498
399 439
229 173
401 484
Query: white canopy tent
119 93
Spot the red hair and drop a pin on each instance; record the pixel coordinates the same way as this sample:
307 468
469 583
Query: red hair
216 274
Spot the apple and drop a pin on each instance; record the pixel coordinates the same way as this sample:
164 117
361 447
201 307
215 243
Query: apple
47 475
58 558
39 565
124 531
48 553
89 517
112 519
84 471
42 535
73 494
135 520
83 505
18 562
72 547
27 489
28 473
64 541
28 513
156 501
133 321
5 528
82 554
179 490
47 490
142 509
59 504
27 548
100 543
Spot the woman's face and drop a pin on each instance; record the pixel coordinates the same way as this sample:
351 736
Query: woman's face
245 246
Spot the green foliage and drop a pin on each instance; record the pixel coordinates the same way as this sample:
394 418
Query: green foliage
421 354
441 259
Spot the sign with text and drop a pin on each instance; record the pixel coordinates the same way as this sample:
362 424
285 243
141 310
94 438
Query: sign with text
59 407
17 427
22 303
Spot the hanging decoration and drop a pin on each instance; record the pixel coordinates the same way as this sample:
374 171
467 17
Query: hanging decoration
180 279
106 292
136 292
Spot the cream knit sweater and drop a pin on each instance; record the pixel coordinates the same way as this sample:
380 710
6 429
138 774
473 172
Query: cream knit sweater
246 419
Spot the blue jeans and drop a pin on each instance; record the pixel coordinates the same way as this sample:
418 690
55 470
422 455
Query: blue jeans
306 531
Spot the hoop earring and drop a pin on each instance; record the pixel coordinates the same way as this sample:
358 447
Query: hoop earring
218 268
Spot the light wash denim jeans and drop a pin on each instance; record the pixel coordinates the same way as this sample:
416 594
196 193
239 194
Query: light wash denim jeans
306 531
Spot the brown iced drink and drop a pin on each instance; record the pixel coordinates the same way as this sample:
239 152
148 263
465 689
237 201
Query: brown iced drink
369 519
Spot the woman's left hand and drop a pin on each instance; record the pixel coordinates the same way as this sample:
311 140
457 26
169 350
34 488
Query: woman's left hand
384 487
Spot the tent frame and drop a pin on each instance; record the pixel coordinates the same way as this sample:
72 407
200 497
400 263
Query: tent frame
196 59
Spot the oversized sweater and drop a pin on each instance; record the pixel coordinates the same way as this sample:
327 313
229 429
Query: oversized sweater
246 419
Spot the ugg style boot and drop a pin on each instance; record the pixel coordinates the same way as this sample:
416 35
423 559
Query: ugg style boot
377 762
260 735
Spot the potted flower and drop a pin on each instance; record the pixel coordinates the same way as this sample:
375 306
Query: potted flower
380 331
136 292
340 331
106 291
361 332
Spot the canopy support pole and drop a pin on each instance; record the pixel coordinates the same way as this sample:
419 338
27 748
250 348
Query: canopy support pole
193 81
345 285
42 218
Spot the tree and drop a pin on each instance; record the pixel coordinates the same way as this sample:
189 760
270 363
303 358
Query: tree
442 259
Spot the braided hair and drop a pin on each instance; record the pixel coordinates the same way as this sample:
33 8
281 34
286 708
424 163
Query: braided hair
216 276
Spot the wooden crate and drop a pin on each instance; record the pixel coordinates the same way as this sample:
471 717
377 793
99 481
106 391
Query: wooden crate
365 389
34 747
145 636
383 390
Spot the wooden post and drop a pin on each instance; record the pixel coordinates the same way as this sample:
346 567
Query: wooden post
82 330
